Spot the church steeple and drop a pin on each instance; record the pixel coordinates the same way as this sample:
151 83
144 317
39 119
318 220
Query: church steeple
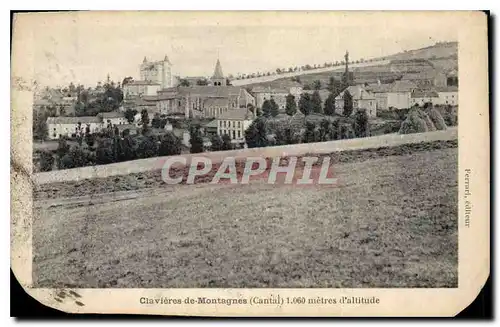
218 77
145 60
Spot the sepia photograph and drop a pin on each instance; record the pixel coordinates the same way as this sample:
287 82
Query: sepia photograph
193 151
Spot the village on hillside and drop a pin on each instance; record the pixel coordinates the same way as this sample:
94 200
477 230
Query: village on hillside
164 113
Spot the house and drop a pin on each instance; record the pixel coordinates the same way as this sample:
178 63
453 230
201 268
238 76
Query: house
113 118
361 98
72 126
393 96
211 127
447 95
138 88
262 94
427 78
421 97
213 107
234 123
132 129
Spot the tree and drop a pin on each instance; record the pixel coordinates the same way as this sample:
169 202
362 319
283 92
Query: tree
105 151
334 130
305 103
147 147
286 135
169 145
216 141
62 148
360 124
226 142
274 108
324 130
310 135
291 105
316 105
202 82
196 139
144 120
127 80
317 85
40 130
334 86
46 161
348 105
89 139
330 105
256 134
266 108
76 157
156 121
184 82
127 148
130 115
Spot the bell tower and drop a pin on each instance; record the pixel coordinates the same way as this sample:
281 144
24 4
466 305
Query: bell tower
218 77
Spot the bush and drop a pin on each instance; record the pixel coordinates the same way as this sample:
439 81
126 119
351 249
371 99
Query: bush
169 145
413 123
437 119
77 157
147 148
46 161
105 152
216 141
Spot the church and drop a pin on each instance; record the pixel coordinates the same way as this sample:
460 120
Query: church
208 101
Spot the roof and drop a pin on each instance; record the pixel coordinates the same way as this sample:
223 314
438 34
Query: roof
359 93
211 124
424 94
210 91
218 71
402 86
73 120
142 83
379 88
447 89
269 89
236 114
143 102
112 114
218 102
323 94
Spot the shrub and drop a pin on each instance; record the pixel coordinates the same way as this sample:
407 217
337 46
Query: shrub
437 119
413 123
169 145
46 161
147 148
76 157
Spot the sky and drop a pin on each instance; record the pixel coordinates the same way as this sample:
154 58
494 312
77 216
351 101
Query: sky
85 47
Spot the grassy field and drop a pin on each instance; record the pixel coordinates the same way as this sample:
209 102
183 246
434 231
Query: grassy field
391 222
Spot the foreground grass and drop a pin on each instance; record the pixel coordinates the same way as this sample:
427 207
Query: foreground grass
392 222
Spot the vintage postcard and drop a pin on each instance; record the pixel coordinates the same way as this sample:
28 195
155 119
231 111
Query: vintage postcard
251 163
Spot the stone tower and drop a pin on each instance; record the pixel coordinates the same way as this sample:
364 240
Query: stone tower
157 72
218 77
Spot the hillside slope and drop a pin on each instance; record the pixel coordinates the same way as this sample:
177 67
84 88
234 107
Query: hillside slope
442 55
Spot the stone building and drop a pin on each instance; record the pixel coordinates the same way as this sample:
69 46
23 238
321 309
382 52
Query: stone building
159 72
208 101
